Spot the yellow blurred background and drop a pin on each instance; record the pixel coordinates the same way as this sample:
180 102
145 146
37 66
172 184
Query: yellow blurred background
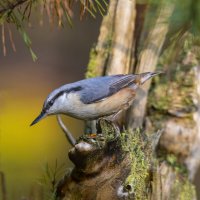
24 84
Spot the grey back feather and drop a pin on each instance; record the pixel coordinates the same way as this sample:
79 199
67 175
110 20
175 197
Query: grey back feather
99 88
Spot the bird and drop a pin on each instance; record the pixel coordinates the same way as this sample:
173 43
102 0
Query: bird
94 98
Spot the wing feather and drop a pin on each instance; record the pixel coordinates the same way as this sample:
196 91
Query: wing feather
98 89
126 81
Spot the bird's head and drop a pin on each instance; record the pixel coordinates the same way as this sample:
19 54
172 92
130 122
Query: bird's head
52 105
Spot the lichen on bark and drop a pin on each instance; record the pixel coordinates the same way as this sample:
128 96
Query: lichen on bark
138 151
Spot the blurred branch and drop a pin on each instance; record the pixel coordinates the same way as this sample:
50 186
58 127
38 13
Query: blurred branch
12 6
147 61
123 38
100 54
58 11
67 133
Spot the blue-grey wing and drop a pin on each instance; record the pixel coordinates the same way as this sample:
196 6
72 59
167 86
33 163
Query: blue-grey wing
97 89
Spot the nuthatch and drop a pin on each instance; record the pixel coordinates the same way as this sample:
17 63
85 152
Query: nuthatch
94 98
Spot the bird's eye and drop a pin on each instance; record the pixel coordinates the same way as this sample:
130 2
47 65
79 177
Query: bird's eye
51 103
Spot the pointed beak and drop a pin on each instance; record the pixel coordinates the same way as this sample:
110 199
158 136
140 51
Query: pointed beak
147 75
41 116
157 73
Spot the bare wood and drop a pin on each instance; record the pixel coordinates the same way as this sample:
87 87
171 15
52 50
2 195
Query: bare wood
122 43
147 61
105 36
97 175
98 60
66 131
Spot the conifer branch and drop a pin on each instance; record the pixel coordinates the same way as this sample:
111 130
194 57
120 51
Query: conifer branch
12 6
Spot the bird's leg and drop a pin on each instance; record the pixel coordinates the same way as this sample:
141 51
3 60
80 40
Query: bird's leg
90 128
67 133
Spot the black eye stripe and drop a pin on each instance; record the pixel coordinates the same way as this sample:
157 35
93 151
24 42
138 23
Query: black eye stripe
51 102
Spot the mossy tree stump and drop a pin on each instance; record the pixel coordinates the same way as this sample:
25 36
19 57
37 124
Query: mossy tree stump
124 168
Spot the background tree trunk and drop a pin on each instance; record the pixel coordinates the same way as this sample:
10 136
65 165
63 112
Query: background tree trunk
141 163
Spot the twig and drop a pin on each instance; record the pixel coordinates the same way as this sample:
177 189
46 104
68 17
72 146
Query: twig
11 39
68 134
12 6
148 59
3 40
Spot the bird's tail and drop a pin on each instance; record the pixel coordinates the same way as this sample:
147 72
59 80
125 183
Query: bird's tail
147 75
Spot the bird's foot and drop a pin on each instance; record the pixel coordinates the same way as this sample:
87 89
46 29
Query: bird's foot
94 139
92 135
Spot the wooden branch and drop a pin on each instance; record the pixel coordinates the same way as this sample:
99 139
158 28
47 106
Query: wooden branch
67 133
100 54
147 61
122 42
12 6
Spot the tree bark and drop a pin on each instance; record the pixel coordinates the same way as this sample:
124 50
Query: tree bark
99 55
122 42
147 60
173 106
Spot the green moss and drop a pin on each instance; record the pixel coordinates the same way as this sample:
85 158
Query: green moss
108 130
183 189
172 95
136 182
187 191
94 58
172 160
158 98
91 70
